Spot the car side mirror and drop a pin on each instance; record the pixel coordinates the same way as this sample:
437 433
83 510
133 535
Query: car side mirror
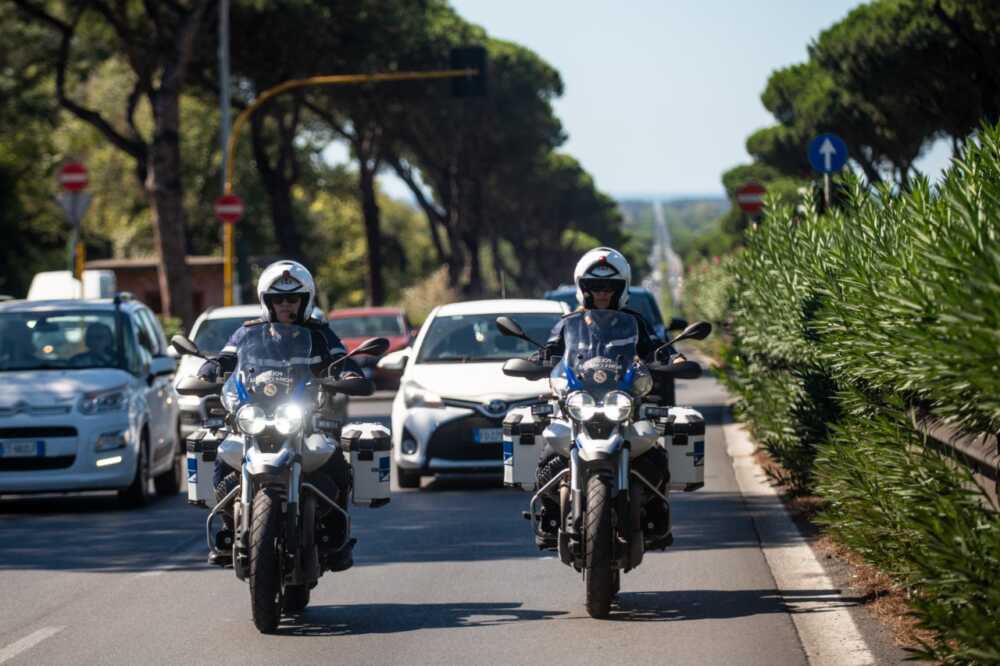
396 361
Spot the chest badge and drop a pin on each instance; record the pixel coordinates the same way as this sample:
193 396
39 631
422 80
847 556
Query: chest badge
600 376
270 390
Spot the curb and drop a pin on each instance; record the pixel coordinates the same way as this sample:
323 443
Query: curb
819 612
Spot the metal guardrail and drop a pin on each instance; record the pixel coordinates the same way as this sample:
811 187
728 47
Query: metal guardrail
980 453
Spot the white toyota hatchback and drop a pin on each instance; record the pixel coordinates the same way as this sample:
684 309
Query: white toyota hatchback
85 399
448 413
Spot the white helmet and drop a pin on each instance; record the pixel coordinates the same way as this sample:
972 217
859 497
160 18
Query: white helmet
602 266
286 277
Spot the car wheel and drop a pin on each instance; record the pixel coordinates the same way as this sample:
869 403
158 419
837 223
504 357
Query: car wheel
137 494
407 478
169 483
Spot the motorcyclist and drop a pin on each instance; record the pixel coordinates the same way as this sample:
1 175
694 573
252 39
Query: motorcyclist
602 278
287 293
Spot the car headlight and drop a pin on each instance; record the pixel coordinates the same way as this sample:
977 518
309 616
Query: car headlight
617 406
581 406
251 419
415 395
288 418
102 403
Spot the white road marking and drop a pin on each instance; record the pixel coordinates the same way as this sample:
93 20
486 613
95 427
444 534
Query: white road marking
28 642
826 629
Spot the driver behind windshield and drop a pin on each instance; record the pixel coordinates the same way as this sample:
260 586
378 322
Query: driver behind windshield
100 343
602 278
287 294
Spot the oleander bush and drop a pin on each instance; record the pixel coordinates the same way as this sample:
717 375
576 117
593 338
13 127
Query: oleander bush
843 323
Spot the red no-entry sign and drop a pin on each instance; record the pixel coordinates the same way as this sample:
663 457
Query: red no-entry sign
73 177
229 208
750 198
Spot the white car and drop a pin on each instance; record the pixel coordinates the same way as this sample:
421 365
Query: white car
86 400
453 396
210 333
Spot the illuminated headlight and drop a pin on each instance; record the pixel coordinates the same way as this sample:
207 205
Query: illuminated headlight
288 418
251 419
110 441
581 406
102 403
415 395
617 406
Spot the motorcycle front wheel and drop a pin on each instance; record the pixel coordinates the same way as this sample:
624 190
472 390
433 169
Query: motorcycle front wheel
265 564
598 573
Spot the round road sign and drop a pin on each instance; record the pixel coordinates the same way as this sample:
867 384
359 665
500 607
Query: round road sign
73 177
229 208
750 197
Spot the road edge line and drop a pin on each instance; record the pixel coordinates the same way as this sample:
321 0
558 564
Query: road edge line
827 632
31 640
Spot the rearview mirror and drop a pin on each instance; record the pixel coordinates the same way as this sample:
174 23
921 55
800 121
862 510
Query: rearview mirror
696 331
184 346
372 347
677 324
508 326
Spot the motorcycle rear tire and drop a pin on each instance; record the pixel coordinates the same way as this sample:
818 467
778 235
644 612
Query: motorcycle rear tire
296 598
598 574
265 562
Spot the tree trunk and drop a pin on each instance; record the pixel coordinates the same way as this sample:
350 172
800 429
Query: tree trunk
373 233
279 193
165 191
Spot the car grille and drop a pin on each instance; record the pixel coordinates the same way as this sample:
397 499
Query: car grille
35 464
454 440
50 410
42 432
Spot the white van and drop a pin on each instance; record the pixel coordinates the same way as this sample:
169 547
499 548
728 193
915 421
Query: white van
61 284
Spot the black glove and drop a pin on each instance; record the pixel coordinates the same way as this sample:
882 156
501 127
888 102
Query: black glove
209 370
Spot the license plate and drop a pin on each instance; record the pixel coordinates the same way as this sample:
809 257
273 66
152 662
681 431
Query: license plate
22 448
488 435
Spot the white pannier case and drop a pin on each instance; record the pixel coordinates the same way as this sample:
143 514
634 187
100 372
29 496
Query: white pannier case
369 446
522 444
202 448
683 436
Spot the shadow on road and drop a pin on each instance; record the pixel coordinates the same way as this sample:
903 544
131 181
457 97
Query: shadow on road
93 533
360 619
676 605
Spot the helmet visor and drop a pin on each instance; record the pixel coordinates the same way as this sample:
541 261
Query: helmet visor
609 285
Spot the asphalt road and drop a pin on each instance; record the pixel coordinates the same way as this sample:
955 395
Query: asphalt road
447 574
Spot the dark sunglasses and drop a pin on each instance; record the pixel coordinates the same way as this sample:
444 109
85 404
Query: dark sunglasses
289 298
605 286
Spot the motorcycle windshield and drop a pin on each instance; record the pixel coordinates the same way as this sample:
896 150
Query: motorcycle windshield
599 355
274 364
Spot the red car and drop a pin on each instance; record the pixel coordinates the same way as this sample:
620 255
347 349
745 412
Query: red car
354 325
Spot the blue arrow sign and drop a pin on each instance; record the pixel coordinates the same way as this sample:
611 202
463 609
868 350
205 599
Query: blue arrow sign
827 153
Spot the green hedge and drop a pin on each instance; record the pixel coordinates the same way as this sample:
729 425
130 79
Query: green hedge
843 322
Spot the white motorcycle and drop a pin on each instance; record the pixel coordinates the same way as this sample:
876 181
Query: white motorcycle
273 429
598 422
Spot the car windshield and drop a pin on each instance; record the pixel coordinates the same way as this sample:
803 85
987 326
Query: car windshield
368 326
475 338
213 334
59 341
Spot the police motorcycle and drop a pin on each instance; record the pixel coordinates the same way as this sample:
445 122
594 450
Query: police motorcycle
275 432
597 420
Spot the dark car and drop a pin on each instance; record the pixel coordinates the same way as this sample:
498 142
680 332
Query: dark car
642 301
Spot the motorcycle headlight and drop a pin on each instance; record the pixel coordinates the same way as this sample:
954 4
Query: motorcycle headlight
251 419
102 403
581 406
617 406
288 418
415 395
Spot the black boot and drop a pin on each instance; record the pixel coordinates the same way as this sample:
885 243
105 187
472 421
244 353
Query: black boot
547 537
656 525
343 559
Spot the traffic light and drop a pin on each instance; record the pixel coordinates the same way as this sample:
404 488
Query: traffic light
469 57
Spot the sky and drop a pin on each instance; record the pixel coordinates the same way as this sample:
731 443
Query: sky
660 96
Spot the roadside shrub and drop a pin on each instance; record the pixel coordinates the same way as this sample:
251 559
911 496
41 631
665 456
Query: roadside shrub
844 322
